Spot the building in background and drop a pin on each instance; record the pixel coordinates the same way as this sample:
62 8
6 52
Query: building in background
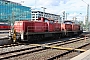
36 14
11 11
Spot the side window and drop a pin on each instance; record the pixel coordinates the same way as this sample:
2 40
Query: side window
68 22
33 15
46 20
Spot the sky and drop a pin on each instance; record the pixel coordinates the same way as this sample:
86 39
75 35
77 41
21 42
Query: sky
73 8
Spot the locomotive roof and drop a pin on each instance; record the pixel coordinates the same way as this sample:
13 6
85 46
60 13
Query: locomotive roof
68 21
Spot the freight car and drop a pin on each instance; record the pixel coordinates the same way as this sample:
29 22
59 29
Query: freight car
42 28
4 26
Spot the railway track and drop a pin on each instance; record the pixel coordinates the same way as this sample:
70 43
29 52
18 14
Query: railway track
22 51
10 45
70 54
10 50
39 53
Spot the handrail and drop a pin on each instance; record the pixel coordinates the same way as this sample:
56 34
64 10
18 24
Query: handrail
35 27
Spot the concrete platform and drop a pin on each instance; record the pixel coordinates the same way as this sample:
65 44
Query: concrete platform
83 56
4 31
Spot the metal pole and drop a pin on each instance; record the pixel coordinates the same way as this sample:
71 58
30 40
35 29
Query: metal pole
12 18
66 16
43 10
63 16
87 18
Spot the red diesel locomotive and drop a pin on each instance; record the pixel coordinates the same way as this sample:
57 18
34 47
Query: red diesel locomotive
43 28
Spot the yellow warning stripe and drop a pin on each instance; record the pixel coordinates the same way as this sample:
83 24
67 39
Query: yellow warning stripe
58 47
